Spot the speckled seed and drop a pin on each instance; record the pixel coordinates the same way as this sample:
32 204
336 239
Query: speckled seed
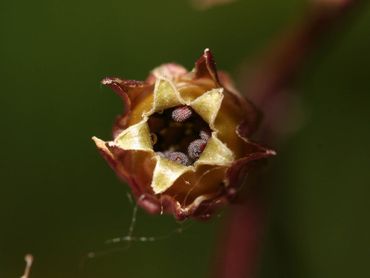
181 114
178 157
196 148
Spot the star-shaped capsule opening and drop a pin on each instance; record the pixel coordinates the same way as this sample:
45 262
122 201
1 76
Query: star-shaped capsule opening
179 132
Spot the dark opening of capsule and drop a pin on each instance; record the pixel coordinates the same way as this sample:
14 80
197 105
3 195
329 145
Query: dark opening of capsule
179 134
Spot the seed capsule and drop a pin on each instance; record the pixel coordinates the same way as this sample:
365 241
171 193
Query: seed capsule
170 121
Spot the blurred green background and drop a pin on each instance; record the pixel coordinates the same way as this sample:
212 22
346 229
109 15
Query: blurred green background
59 199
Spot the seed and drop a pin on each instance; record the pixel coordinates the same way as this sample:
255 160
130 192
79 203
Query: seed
204 134
181 114
178 157
196 148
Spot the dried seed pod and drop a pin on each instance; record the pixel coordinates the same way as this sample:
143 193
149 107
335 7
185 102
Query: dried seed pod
161 177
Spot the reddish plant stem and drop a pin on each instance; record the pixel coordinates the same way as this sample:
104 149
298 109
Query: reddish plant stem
240 241
238 256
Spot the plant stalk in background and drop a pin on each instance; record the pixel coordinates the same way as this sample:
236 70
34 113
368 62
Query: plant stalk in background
266 86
